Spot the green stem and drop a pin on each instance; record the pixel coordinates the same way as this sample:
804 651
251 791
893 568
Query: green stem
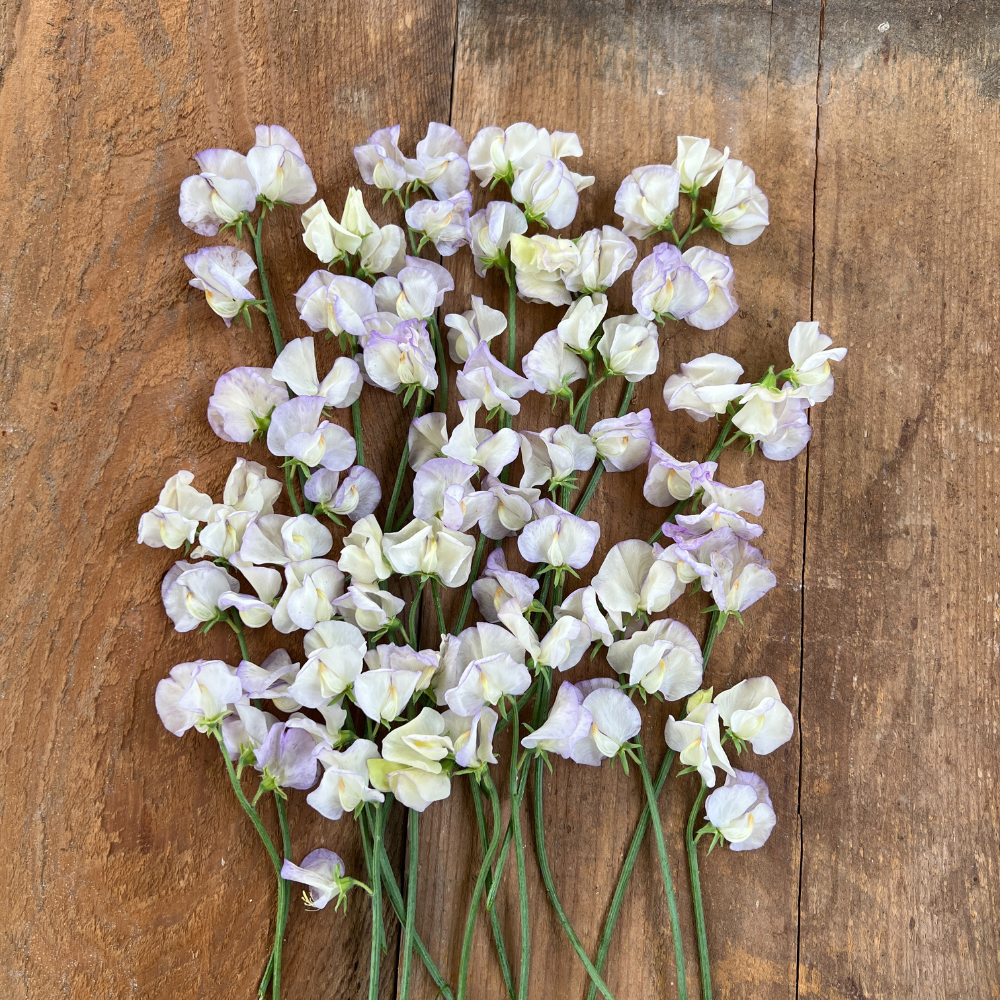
522 878
720 441
413 638
436 592
290 486
473 576
413 844
508 271
284 897
597 983
477 892
477 801
595 477
376 951
397 487
237 626
272 316
582 406
699 908
356 413
441 400
668 882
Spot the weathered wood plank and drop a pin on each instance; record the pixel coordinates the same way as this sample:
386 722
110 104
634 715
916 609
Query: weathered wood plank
129 868
899 813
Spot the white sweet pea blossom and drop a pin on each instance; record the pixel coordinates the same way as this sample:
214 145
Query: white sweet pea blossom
582 604
380 161
246 730
426 438
336 652
270 680
219 194
442 161
421 743
563 646
197 694
741 811
503 154
740 212
490 231
439 485
623 443
249 488
466 331
404 357
486 379
811 355
647 199
498 585
368 607
430 549
279 539
614 721
279 167
632 579
665 287
705 386
559 540
222 536
174 520
296 367
327 734
541 264
664 659
191 592
472 737
416 291
425 662
605 255
550 366
754 712
749 498
568 723
554 454
384 694
357 496
297 430
669 479
629 347
254 612
380 250
222 274
791 431
362 555
697 163
509 511
491 661
443 223
479 446
311 587
241 406
716 270
579 323
758 413
336 303
344 785
696 739
413 786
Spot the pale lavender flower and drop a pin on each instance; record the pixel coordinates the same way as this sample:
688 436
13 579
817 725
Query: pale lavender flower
384 694
492 664
242 403
431 549
437 482
629 347
444 223
174 520
286 758
442 158
404 357
484 378
740 580
197 694
567 724
647 199
427 437
344 785
550 366
479 446
697 741
754 712
615 720
425 663
490 230
554 454
279 167
664 287
222 274
336 652
191 592
711 518
323 871
791 431
811 354
740 212
632 579
499 585
380 161
311 587
664 659
705 386
472 737
582 604
357 496
279 539
669 479
416 291
271 679
478 325
716 270
559 540
741 811
623 443
368 607
548 192
297 430
296 367
245 730
336 303
510 510
605 255
219 194
579 323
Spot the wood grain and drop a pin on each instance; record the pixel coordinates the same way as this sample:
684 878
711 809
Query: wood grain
130 870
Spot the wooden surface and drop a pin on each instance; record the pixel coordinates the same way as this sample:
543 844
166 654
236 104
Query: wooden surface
874 128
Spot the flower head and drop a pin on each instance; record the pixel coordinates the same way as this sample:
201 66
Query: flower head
466 331
629 347
716 270
486 379
443 223
336 303
705 386
197 694
174 520
404 357
614 721
430 549
696 739
297 431
647 199
345 782
697 162
296 367
623 443
287 758
740 212
222 274
664 286
279 167
490 232
665 658
191 592
559 540
416 291
241 406
218 195
741 811
754 712
605 255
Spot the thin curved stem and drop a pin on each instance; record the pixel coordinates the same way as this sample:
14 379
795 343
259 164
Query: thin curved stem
595 476
582 406
413 845
376 951
477 892
397 487
597 983
272 316
356 414
284 898
413 638
517 794
508 271
439 611
290 486
668 882
699 907
441 399
237 626
473 576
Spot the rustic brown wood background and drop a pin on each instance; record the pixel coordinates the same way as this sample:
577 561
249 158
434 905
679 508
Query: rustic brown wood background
129 870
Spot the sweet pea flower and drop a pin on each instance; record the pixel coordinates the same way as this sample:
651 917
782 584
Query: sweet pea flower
504 153
664 659
442 161
632 579
197 694
623 443
380 161
472 737
444 223
362 554
270 680
421 743
614 721
384 694
696 739
279 539
669 479
791 431
567 724
191 592
740 580
222 536
509 511
430 549
174 519
427 438
466 331
246 730
378 249
647 199
241 406
327 734
249 488
563 646
758 412
629 347
554 454
582 604
404 357
425 663
811 356
413 786
357 496
416 291
286 758
478 446
296 367
296 430
541 264
490 231
498 585
219 194
605 255
705 386
749 498
716 270
311 586
664 287
550 366
336 652
712 518
222 274
492 664
562 541
336 303
344 785
368 607
324 872
548 192
741 811
279 167
697 163
740 212
754 712
486 379
437 482
254 612
577 327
